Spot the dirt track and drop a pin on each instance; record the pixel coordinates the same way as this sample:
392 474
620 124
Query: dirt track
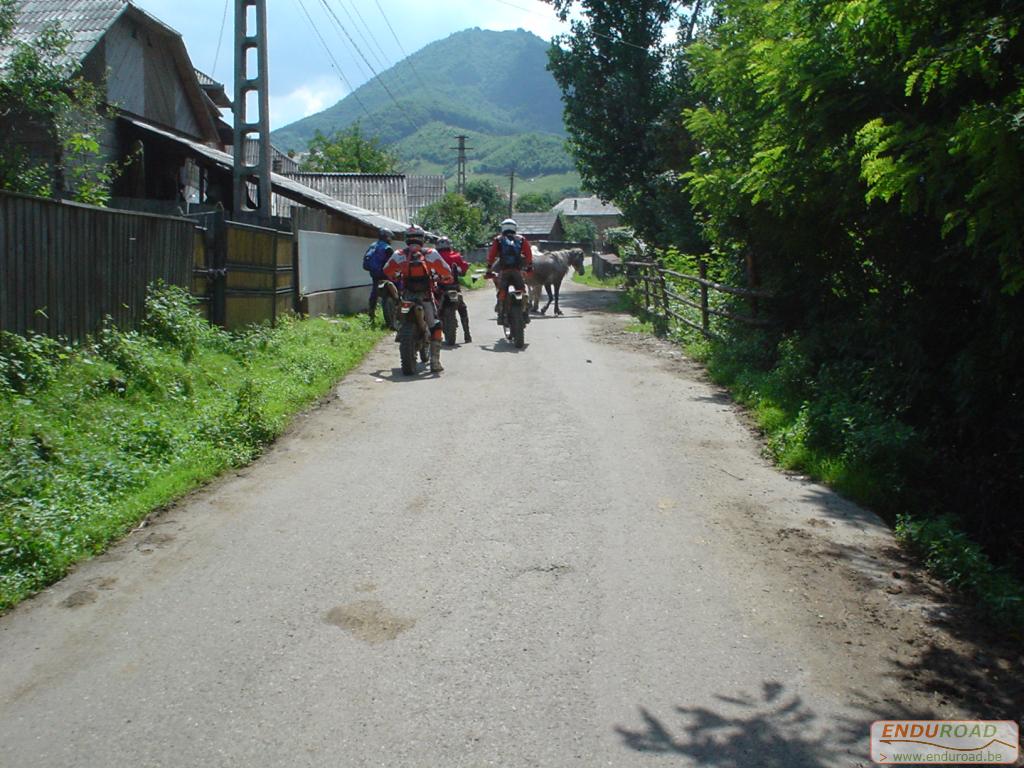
592 565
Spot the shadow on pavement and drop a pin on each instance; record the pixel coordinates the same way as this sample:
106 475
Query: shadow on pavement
395 375
773 729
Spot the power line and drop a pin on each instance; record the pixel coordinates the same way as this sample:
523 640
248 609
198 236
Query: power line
361 55
220 38
408 60
334 62
377 57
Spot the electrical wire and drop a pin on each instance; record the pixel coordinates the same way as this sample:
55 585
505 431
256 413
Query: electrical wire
220 39
361 55
366 38
408 59
334 62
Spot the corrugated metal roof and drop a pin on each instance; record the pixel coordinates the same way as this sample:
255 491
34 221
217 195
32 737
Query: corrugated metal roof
84 20
423 191
281 184
381 192
586 206
280 161
536 223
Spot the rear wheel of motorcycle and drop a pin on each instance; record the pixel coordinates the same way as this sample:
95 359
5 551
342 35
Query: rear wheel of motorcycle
387 306
517 327
407 349
448 325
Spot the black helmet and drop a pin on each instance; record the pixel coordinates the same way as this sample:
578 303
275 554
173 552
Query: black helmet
385 234
415 234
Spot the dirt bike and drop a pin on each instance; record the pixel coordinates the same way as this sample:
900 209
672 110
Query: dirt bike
413 337
514 314
389 300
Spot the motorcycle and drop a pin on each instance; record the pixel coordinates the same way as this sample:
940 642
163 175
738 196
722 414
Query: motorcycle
413 337
514 314
450 299
389 301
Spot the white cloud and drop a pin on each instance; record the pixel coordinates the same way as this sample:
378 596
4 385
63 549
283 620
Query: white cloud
305 100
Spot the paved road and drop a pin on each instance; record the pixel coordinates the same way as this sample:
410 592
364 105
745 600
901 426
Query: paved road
591 565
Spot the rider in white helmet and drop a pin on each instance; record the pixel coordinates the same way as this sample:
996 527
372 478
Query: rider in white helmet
508 257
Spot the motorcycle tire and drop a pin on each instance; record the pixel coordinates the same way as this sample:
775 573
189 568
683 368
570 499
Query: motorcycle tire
448 325
388 307
517 326
407 349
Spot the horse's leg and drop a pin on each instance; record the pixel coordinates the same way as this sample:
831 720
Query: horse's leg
547 287
558 288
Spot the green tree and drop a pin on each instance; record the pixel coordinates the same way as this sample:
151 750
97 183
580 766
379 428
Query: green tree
578 229
623 90
42 94
536 202
491 201
348 151
455 218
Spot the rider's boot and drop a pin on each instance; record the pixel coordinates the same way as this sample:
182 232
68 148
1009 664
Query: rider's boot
372 312
435 356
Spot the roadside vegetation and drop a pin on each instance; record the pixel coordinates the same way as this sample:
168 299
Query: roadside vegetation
95 436
860 161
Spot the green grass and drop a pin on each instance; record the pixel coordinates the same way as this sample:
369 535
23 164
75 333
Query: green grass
96 436
614 281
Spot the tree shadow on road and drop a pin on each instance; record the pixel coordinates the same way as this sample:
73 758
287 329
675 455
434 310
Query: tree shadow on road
773 729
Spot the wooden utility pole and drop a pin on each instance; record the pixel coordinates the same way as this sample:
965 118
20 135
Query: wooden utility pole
511 190
461 178
251 172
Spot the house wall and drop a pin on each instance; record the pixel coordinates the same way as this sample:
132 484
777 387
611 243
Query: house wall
143 78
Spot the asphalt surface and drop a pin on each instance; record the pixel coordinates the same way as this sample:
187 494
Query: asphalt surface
565 555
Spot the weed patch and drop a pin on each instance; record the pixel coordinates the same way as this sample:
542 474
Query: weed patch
95 436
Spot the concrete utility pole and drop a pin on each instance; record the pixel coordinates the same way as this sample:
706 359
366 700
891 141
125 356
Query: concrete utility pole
251 35
461 178
511 190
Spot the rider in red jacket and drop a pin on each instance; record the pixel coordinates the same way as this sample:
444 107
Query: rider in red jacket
420 268
509 274
458 266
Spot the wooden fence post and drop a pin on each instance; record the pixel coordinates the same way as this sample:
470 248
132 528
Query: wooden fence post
647 291
704 314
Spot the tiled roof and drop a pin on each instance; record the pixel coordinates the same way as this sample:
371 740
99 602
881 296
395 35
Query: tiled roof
586 206
84 20
281 185
536 223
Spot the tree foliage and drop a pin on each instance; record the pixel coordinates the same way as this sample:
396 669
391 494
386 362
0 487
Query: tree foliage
454 217
348 151
865 159
536 202
492 202
44 99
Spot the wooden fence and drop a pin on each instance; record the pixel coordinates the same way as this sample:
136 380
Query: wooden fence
65 266
662 289
243 273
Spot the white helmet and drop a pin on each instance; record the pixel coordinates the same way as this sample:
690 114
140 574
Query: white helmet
509 225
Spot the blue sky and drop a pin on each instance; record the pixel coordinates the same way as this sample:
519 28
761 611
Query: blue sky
302 78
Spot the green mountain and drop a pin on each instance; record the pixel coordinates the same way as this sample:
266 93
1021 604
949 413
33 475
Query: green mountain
490 86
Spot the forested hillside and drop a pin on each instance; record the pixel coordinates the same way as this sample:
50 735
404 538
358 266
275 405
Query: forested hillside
862 160
491 86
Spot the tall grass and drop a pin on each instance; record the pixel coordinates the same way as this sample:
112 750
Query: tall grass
95 436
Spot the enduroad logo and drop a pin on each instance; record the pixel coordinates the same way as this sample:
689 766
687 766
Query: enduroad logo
984 742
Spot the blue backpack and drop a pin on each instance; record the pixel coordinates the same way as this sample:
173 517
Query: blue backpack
510 252
376 256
